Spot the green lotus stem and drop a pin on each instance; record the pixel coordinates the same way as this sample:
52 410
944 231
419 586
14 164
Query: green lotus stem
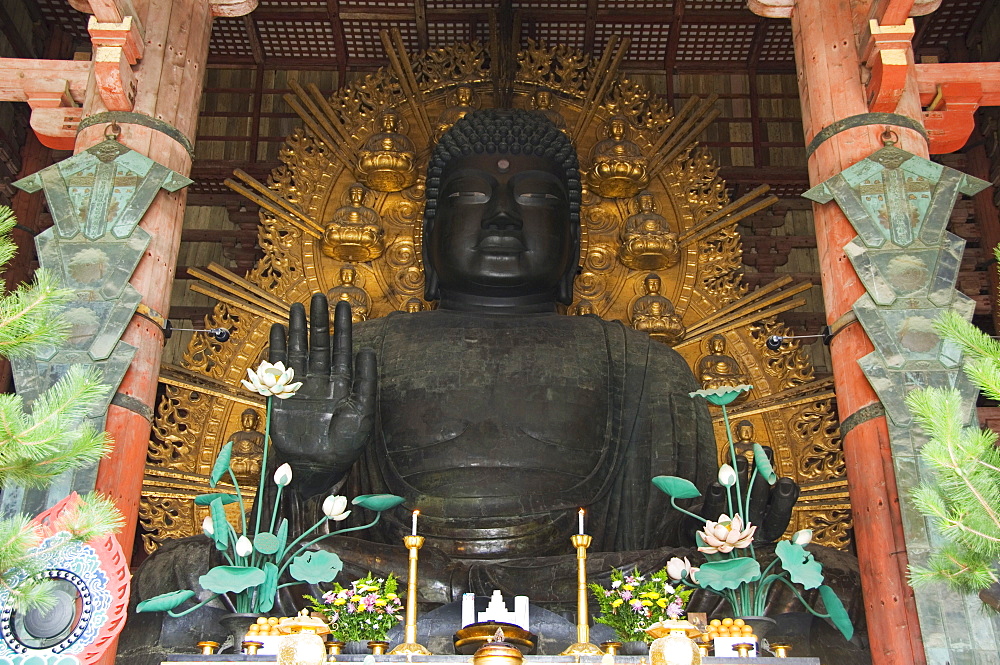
799 596
295 542
325 535
687 512
239 497
263 465
277 502
193 608
732 456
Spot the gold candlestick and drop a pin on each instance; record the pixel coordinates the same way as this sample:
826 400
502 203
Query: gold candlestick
583 646
410 645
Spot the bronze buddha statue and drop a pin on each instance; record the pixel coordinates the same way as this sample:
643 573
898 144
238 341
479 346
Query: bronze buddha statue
495 415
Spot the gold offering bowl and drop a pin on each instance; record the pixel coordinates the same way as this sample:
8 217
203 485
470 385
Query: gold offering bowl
469 639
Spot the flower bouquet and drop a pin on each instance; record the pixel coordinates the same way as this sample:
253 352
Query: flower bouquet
258 557
635 602
364 611
732 570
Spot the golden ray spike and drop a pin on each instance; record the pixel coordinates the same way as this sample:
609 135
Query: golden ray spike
239 291
268 204
739 321
605 73
225 273
749 308
804 393
416 94
392 42
320 118
317 128
222 295
275 203
675 123
687 134
182 377
745 301
330 114
730 220
694 134
723 212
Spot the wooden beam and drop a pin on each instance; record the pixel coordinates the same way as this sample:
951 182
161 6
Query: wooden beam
15 71
932 75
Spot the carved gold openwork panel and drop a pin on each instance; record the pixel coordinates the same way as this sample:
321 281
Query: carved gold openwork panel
660 252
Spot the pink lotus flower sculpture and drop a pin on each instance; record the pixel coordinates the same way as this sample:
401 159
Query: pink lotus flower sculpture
725 535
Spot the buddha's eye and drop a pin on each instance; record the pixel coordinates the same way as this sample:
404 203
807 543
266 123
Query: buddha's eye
537 198
469 198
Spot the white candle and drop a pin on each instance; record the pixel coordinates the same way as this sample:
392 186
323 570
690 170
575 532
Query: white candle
580 515
413 530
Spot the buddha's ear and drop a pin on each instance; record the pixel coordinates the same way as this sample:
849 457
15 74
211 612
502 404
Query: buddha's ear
432 289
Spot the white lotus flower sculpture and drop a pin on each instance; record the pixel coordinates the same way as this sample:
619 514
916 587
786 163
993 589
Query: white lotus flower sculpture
272 380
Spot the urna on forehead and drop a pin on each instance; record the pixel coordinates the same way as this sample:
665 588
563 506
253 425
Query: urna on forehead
505 131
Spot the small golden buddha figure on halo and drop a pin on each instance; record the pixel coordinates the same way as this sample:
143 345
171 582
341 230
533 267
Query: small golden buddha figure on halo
248 448
543 102
414 305
718 369
387 160
647 241
618 169
743 440
461 101
354 232
653 313
357 297
583 308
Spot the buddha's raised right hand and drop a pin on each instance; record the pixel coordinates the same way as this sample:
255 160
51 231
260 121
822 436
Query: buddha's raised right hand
325 426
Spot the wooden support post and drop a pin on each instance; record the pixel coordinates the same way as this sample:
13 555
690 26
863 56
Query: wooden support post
830 89
169 81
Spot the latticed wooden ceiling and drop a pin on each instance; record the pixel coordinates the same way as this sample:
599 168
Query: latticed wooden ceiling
667 35
679 47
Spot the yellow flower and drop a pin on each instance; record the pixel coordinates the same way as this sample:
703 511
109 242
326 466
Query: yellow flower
617 602
381 603
355 599
340 601
628 587
662 602
647 603
653 595
391 596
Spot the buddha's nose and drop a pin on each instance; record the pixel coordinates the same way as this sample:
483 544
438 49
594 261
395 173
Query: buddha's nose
502 213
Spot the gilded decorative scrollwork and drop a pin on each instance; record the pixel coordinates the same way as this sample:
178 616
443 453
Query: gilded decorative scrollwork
788 409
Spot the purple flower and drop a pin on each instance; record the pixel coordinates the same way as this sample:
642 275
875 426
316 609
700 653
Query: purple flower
675 609
637 606
626 595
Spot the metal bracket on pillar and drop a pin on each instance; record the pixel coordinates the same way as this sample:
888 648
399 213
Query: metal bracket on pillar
886 54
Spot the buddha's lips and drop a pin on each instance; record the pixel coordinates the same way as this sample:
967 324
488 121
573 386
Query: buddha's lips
499 241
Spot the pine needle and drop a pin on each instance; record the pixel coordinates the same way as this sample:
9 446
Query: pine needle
960 494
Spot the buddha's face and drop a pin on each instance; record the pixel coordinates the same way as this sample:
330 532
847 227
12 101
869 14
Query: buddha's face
502 226
357 195
543 100
653 284
249 420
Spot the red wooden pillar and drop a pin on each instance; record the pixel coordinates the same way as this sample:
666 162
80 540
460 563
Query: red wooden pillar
169 81
829 71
